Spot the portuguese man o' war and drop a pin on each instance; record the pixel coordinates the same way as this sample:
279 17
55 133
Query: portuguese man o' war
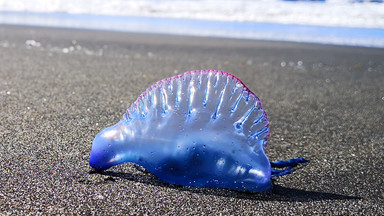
200 128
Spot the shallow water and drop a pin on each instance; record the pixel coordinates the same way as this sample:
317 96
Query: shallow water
354 23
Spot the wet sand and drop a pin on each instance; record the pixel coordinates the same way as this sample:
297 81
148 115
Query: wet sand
60 87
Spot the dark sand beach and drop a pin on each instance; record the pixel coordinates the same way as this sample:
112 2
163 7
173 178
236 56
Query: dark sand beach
60 87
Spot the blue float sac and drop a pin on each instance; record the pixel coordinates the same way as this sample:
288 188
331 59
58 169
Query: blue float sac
200 128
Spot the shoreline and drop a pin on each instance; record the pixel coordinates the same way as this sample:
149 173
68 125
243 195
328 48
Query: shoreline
333 35
180 39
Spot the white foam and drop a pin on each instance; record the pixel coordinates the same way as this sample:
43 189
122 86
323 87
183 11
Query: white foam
341 13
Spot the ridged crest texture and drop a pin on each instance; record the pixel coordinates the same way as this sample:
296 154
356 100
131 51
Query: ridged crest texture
200 128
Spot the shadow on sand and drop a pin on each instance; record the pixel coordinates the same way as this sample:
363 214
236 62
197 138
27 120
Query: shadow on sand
278 193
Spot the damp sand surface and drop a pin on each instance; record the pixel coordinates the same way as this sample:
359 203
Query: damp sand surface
60 87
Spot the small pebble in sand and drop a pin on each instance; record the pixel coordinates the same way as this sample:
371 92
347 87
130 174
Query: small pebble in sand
299 63
32 43
87 51
99 196
4 44
100 53
109 178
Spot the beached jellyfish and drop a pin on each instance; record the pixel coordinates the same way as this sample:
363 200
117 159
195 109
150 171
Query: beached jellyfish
200 128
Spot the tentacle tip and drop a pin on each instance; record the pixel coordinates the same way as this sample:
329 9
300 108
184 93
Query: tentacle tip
302 160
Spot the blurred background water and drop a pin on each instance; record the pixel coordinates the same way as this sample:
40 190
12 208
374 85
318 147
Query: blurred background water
342 22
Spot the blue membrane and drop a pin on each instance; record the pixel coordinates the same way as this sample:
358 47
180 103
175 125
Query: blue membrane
369 37
201 128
